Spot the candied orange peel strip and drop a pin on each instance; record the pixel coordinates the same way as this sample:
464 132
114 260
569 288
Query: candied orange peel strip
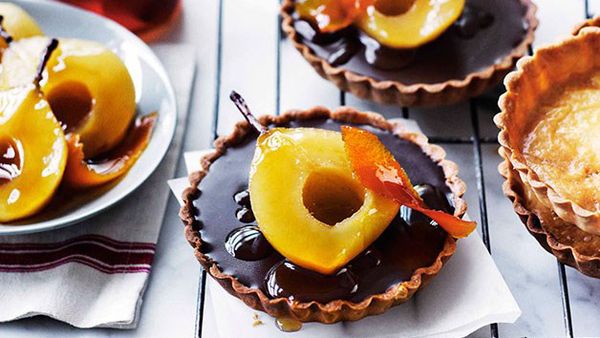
332 15
82 173
378 170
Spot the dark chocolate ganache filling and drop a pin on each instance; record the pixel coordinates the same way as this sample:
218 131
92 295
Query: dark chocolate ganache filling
486 32
232 239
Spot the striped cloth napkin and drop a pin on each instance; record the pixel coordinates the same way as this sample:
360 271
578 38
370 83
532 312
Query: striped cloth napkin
94 274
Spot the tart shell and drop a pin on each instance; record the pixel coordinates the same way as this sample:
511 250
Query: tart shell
336 310
567 254
550 66
416 95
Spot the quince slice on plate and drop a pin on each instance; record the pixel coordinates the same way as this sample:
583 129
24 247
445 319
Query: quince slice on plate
377 169
82 173
17 23
88 87
308 203
33 153
408 26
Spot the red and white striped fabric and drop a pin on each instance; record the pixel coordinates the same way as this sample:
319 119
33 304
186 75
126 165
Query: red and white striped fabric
98 252
94 274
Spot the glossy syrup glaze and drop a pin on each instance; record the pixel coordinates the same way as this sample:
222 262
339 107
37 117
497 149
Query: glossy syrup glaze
486 32
10 160
240 250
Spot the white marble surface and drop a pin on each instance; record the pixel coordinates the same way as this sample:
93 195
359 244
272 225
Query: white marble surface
249 44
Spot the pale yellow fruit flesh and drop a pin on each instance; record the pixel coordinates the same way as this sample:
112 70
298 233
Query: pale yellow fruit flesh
87 75
18 23
285 159
423 22
28 123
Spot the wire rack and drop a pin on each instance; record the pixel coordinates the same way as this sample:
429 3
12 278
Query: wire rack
475 140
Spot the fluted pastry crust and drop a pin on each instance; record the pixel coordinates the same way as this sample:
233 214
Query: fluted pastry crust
337 310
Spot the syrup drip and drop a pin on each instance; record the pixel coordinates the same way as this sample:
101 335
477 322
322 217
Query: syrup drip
116 158
10 161
248 243
287 324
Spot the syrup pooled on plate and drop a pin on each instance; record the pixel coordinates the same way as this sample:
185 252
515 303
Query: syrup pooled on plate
287 324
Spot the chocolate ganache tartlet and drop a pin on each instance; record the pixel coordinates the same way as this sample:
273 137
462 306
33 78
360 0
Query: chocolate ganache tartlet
235 239
388 54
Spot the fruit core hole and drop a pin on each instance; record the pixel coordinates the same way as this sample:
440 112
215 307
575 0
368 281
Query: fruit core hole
331 197
71 103
10 160
393 7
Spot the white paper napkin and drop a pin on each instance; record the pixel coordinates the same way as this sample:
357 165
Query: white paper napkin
469 293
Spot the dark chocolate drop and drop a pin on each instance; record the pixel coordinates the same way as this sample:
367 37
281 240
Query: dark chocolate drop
242 198
248 243
296 283
245 215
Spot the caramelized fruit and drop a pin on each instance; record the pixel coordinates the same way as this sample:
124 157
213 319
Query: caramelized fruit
308 203
34 153
330 15
82 173
424 21
87 86
17 23
377 169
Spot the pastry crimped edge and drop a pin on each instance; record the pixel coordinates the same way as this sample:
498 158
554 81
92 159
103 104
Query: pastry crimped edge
336 310
533 77
415 95
514 188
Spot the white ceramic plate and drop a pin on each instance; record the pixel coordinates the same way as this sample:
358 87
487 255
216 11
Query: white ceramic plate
153 93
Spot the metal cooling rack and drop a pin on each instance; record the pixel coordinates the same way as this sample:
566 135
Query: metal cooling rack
475 140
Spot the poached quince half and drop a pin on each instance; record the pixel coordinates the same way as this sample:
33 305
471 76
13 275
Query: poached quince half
400 24
33 153
307 201
87 86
